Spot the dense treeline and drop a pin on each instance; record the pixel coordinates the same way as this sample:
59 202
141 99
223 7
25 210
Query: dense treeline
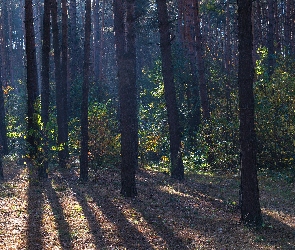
154 83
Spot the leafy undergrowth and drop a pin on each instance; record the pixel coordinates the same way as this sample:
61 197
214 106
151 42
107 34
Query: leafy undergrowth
199 213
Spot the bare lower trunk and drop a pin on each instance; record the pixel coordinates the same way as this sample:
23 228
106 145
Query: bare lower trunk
250 206
126 60
85 93
177 168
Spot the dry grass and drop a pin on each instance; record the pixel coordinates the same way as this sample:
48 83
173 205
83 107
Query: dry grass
199 213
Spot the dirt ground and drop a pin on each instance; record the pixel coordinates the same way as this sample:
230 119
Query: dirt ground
199 213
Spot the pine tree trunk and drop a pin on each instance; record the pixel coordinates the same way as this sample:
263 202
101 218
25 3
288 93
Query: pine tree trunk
126 61
201 65
3 137
32 80
73 41
96 38
271 37
63 128
177 168
3 129
45 90
101 44
85 91
249 193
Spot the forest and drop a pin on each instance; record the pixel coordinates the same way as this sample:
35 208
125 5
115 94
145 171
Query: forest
160 124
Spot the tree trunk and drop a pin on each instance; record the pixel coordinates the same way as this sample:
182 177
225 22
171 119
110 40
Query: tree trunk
271 37
177 168
63 128
32 81
85 91
96 43
249 193
3 137
45 89
287 28
101 44
201 65
74 41
126 60
3 129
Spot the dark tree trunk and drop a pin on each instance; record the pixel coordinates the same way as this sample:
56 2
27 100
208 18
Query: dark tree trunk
1 155
85 91
45 90
201 65
57 65
271 37
1 168
3 129
177 168
63 125
96 38
287 27
193 91
101 43
249 193
3 137
74 41
126 60
32 80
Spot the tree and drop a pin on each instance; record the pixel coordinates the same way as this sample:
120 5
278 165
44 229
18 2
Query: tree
271 37
61 82
63 152
249 192
126 62
3 137
177 168
85 94
45 88
3 129
32 81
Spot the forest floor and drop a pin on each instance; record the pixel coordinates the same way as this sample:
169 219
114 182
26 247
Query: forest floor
198 213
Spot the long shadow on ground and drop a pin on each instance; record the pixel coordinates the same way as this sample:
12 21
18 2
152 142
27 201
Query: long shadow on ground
63 226
35 203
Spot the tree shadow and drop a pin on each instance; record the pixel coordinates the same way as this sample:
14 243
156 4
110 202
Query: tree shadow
64 235
282 235
95 229
218 223
127 233
35 211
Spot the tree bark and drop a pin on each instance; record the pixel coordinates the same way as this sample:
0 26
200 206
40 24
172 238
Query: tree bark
45 90
63 128
177 168
85 93
271 37
3 132
201 65
3 129
249 192
101 44
32 81
96 43
74 41
126 61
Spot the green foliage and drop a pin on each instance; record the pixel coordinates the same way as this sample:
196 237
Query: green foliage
275 117
153 124
104 136
15 117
